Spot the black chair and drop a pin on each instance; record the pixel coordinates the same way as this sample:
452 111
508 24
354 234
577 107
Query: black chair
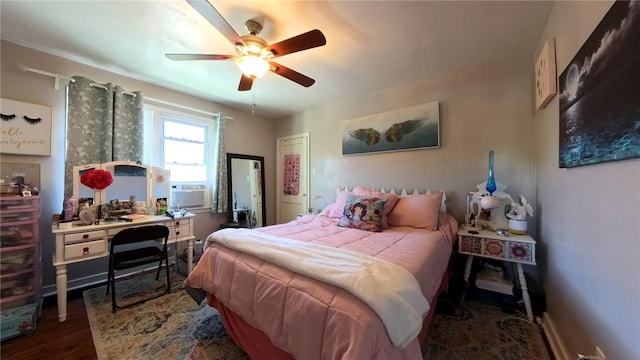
133 256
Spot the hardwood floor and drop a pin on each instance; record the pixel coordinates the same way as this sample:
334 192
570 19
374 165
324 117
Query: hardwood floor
54 340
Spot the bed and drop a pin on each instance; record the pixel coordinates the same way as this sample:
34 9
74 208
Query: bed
328 286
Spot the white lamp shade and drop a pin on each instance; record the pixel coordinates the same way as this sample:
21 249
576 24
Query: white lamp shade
489 202
253 66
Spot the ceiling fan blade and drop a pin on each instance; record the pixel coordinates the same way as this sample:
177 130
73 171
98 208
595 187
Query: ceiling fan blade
198 57
291 74
215 18
245 83
308 40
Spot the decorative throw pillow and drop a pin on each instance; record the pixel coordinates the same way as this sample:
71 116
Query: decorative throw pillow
418 211
364 213
388 206
338 206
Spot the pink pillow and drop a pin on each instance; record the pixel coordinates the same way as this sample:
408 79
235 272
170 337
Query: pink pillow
388 206
338 206
418 211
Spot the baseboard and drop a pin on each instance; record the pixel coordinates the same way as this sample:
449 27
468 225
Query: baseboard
87 281
560 351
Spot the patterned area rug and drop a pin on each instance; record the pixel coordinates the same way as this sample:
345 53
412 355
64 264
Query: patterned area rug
173 326
483 332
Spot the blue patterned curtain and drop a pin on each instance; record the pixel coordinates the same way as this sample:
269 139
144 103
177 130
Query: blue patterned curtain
103 124
220 190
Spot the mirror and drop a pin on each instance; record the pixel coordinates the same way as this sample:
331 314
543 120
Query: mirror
245 178
129 180
82 192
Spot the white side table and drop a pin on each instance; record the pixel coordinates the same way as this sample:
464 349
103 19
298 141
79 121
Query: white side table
518 249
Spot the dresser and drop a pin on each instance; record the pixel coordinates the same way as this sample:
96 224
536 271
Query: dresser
86 242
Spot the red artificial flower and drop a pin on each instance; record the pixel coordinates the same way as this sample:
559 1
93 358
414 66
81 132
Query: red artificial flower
96 179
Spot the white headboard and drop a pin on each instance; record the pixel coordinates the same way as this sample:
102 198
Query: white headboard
403 192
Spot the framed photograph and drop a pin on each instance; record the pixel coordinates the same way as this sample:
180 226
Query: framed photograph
410 128
599 100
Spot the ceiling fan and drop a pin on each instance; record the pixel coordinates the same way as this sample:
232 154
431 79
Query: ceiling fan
254 54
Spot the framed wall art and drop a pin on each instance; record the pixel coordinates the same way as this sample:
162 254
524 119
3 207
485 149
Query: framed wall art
599 100
410 128
25 129
545 74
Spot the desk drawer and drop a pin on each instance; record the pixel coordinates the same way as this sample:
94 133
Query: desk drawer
85 249
84 236
183 230
182 225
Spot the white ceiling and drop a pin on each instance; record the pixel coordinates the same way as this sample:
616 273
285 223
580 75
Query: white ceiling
371 45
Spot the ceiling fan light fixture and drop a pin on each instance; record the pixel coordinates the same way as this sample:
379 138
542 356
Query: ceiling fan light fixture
253 66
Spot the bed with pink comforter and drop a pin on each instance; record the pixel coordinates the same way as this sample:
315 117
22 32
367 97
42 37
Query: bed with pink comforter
306 318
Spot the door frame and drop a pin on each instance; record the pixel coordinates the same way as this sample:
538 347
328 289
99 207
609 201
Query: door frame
279 174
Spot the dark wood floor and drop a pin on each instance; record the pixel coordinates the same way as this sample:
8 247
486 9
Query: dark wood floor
54 340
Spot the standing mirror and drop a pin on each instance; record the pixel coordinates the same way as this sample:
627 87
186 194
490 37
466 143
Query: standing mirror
245 178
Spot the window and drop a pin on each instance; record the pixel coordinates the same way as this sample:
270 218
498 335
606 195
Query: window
181 142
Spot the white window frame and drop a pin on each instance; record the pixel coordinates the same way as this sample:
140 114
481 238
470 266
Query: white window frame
153 149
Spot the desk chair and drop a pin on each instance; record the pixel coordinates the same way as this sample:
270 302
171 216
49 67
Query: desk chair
136 256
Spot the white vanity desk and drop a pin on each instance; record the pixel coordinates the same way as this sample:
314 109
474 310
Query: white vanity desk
86 242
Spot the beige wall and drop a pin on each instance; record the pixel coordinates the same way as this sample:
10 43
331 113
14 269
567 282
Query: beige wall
589 221
38 89
485 108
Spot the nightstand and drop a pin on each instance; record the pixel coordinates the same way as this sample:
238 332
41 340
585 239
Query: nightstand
518 249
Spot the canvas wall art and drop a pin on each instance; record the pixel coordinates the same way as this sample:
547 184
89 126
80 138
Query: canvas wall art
409 128
600 93
25 129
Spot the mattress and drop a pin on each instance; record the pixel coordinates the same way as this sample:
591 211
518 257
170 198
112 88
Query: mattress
308 318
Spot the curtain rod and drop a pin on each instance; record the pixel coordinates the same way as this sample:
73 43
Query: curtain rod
57 78
182 107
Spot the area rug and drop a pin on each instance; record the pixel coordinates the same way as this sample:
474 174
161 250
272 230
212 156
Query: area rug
173 326
483 332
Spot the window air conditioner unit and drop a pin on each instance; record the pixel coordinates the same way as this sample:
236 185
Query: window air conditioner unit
188 195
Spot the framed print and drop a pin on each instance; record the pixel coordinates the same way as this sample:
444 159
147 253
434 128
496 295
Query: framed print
410 128
600 93
25 129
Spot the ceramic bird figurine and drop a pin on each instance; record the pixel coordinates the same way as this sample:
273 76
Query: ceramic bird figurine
518 211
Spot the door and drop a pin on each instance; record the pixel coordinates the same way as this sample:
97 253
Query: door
256 192
292 177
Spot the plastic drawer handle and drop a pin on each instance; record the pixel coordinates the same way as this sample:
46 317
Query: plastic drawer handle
85 236
177 223
85 251
177 232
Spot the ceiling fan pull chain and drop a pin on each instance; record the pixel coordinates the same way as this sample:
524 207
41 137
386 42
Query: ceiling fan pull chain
253 100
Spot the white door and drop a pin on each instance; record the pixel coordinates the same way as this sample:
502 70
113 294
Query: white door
256 192
292 177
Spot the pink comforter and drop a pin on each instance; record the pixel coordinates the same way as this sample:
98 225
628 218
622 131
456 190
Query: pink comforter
314 320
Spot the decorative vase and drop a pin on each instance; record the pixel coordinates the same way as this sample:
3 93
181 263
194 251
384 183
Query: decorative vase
491 181
518 227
